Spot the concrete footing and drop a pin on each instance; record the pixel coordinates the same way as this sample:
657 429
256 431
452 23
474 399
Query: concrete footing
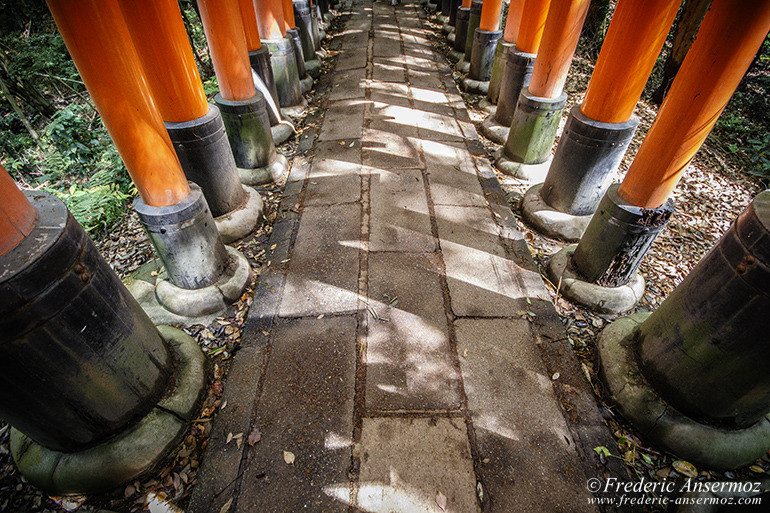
482 58
241 221
532 173
451 36
534 127
206 158
585 162
608 300
492 129
551 222
661 423
487 106
498 68
285 71
282 132
463 66
251 140
131 452
617 239
516 76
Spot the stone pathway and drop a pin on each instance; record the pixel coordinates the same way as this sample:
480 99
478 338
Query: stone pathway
401 345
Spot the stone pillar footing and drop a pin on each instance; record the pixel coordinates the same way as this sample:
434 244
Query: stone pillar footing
285 71
271 172
585 162
502 49
516 76
260 62
607 300
463 65
637 400
534 127
205 155
487 106
243 220
186 240
551 222
282 132
474 19
617 239
133 451
461 29
531 173
493 130
251 139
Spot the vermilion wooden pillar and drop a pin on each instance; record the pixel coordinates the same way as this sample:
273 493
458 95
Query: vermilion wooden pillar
259 56
195 128
536 119
598 132
101 47
17 215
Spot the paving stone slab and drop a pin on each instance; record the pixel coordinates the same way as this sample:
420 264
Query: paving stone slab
400 220
343 120
529 460
335 173
386 150
388 72
306 409
348 85
348 60
410 362
395 475
479 275
393 119
452 176
322 275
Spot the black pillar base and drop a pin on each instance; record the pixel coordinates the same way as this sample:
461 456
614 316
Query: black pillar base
588 154
461 28
285 71
304 23
483 54
260 62
474 20
533 128
617 239
516 77
186 240
205 155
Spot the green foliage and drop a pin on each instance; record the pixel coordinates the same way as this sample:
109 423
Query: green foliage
95 208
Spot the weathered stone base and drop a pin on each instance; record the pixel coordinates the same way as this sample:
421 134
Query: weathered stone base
165 303
475 86
131 453
446 28
549 221
456 56
240 222
442 18
306 84
464 66
295 111
493 130
534 173
313 66
267 174
661 423
450 37
487 106
609 300
282 132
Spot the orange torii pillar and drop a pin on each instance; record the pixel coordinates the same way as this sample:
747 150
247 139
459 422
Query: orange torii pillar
474 19
485 40
243 108
518 69
175 215
195 127
599 131
293 33
504 45
282 59
461 30
84 372
533 129
630 216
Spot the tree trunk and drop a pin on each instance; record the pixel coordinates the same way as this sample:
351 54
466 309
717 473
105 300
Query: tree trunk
690 19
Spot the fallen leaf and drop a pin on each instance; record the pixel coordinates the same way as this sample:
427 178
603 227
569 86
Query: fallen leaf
757 469
288 457
254 437
555 376
227 505
441 501
685 468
